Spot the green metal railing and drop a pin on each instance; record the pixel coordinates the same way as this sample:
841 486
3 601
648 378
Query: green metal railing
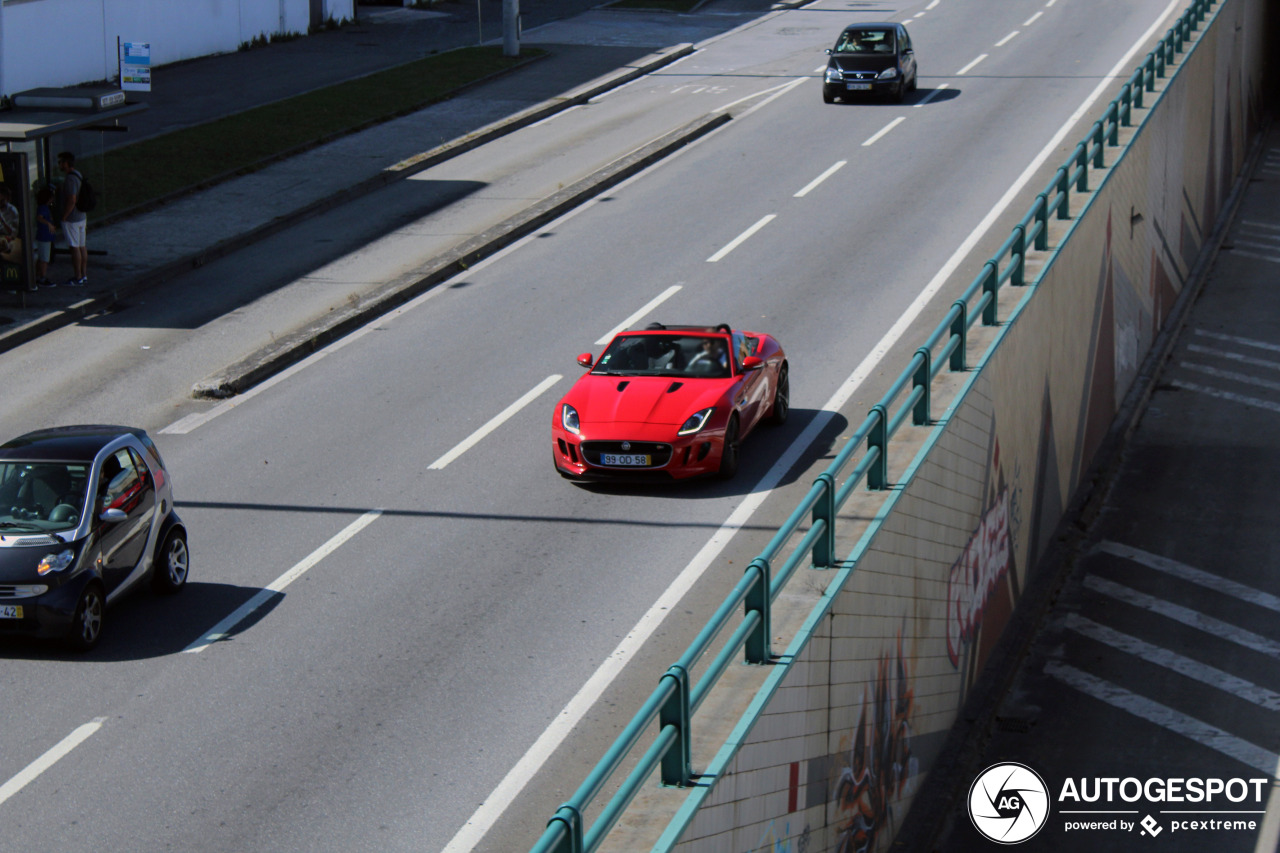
674 701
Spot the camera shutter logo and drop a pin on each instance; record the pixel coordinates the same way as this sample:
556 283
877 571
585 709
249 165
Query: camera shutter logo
1008 803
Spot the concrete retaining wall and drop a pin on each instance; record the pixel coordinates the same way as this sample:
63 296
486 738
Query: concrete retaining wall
832 760
67 42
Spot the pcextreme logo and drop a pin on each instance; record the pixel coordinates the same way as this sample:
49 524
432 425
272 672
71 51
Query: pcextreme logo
1009 803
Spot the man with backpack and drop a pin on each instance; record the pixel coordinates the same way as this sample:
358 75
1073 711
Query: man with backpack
73 219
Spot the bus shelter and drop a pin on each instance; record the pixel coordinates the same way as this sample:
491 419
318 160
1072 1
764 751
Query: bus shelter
39 124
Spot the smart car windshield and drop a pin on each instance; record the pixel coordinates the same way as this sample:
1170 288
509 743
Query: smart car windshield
686 356
41 497
865 42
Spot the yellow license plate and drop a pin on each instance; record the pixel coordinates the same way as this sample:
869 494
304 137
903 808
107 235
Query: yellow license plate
10 611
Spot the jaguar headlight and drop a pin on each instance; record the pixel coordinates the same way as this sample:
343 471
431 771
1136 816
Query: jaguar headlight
55 562
696 422
569 419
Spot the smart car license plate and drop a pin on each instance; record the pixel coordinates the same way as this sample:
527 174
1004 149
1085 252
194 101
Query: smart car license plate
858 87
625 459
10 611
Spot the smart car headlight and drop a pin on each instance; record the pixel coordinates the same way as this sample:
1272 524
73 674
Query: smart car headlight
834 73
887 74
569 419
696 421
56 562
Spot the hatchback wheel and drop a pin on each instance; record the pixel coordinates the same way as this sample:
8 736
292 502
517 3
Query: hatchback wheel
86 626
173 562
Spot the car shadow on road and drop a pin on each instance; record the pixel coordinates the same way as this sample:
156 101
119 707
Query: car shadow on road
148 625
761 450
919 98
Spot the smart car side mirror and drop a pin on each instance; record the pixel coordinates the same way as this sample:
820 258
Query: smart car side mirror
585 359
113 516
752 362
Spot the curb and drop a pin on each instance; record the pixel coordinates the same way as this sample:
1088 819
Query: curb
296 346
27 332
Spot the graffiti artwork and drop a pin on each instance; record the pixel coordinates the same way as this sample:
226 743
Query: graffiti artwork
877 760
976 576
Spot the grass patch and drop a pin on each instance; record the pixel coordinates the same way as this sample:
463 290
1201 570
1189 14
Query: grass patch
158 167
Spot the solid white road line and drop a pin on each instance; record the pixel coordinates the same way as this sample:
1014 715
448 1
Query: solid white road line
1185 615
50 758
1230 375
1007 39
1168 659
1235 339
741 238
969 67
495 422
935 93
1208 580
649 306
777 91
888 127
219 631
493 806
1263 760
1234 356
1252 402
818 180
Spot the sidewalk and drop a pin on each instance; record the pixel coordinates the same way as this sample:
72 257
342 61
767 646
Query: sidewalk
146 250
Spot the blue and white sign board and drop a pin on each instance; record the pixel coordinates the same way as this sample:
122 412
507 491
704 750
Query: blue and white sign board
135 66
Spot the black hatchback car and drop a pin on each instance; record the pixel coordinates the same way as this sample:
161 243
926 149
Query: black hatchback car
870 59
86 514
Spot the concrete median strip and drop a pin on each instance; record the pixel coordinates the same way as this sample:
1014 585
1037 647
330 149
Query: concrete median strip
18 335
297 345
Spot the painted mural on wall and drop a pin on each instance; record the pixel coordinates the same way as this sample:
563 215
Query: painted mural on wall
875 765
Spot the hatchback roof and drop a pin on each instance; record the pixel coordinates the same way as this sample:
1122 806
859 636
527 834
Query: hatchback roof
79 443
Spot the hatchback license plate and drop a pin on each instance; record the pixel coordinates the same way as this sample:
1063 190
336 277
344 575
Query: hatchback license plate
10 611
625 459
858 87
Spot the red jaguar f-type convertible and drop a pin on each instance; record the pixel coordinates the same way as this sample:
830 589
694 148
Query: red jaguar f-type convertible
669 402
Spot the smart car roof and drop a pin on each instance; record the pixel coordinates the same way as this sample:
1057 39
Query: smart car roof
71 443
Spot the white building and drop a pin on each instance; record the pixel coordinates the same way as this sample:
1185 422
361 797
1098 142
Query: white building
58 43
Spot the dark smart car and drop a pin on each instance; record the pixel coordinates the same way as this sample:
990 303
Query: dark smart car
86 514
870 59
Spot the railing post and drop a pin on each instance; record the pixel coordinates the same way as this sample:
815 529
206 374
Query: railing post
878 438
1097 144
1139 87
922 379
1019 249
757 647
1042 217
677 763
1082 160
991 284
824 549
1151 71
1160 52
571 816
960 328
1126 100
1113 113
1064 193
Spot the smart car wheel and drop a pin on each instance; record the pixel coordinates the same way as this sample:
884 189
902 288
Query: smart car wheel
732 450
173 562
86 626
781 399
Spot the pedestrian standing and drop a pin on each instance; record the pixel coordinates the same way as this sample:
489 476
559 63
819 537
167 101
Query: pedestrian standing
73 220
44 235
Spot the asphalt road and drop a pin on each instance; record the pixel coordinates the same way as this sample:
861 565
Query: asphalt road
443 606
